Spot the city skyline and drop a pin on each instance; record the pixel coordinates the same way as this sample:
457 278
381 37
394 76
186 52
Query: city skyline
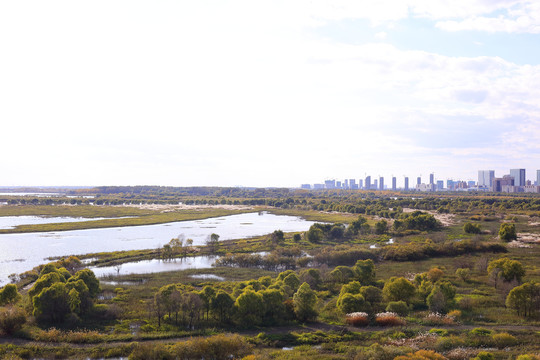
485 180
276 93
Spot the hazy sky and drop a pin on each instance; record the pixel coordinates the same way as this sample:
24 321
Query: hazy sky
266 93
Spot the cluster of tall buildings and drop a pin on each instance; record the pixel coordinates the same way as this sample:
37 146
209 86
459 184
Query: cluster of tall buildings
513 182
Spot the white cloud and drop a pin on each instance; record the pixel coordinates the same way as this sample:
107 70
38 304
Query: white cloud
227 93
522 19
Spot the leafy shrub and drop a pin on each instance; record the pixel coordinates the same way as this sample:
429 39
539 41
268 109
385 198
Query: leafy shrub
422 355
440 332
471 228
481 331
11 319
388 319
464 274
503 340
484 355
399 307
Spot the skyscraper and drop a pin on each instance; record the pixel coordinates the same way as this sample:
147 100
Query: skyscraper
538 177
406 187
394 185
418 180
431 179
485 178
519 176
381 183
360 183
368 182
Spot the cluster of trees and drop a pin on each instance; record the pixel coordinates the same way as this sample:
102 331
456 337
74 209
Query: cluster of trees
59 293
257 302
397 294
177 246
407 222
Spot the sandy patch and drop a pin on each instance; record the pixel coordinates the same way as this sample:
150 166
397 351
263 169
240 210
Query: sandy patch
529 238
169 207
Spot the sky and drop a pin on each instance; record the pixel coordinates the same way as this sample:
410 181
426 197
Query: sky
266 93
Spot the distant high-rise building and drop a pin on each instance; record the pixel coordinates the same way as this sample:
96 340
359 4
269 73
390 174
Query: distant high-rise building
431 179
440 185
318 186
360 183
305 186
471 184
352 184
346 185
450 185
485 178
330 184
368 182
406 185
394 183
338 184
538 177
418 180
381 183
375 184
519 176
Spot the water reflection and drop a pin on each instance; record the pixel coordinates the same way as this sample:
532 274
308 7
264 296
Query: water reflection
156 265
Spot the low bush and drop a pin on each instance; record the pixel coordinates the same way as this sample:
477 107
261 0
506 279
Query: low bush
399 307
503 340
11 319
357 319
481 331
388 319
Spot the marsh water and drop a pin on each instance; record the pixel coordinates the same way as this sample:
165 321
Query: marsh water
10 222
22 252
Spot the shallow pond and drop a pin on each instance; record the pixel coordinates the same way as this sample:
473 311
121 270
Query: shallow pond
22 252
155 266
10 222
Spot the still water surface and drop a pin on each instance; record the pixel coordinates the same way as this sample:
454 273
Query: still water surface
10 222
22 252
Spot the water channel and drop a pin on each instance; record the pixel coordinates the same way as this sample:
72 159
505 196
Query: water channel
22 252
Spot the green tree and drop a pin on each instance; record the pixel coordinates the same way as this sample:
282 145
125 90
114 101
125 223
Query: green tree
277 237
315 234
292 280
207 295
506 269
90 280
212 242
9 294
396 289
250 308
52 303
304 303
507 232
274 309
222 306
525 299
381 227
44 281
471 228
364 271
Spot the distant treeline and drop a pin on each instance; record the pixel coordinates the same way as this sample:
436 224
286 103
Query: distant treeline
385 204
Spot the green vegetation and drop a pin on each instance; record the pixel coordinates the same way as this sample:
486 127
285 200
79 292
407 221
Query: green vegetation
381 276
